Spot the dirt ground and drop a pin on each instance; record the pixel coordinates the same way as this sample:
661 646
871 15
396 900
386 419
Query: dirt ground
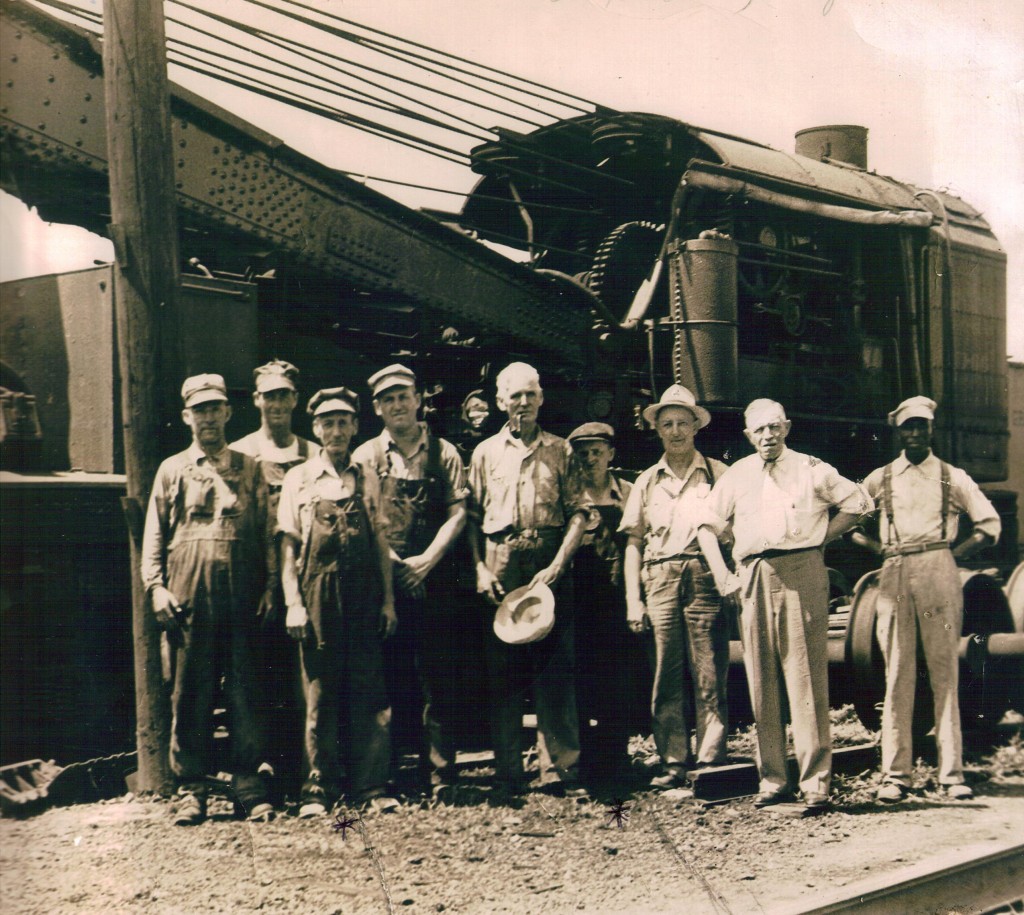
549 855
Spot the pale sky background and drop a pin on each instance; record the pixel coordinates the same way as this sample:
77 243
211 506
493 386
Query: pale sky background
938 83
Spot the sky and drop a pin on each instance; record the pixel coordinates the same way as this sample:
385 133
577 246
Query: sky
938 83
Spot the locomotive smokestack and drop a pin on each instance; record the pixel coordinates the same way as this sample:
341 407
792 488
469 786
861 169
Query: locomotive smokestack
843 142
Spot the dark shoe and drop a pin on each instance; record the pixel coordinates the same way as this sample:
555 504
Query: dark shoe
816 800
191 810
771 798
891 792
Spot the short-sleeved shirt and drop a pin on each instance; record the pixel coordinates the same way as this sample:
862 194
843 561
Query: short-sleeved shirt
780 505
317 479
663 510
384 456
518 487
917 502
262 448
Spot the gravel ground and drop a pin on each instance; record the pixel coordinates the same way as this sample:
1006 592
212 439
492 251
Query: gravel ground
545 855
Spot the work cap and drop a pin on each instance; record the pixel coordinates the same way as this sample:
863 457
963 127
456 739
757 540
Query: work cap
678 396
394 376
527 614
763 411
921 407
275 375
333 400
592 432
201 388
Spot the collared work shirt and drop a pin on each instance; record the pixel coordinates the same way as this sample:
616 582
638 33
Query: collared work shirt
780 505
663 510
202 493
917 502
414 466
515 487
317 479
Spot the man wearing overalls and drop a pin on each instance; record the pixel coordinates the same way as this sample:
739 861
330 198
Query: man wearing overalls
336 574
603 662
920 595
276 449
423 492
202 564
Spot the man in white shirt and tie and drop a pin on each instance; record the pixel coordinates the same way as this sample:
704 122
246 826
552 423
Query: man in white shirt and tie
778 504
920 499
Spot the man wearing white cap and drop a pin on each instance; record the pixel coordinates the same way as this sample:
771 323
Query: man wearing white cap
202 563
669 588
525 525
778 502
336 573
277 449
920 597
423 497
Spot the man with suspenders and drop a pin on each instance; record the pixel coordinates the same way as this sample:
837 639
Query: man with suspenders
679 599
423 493
920 594
276 449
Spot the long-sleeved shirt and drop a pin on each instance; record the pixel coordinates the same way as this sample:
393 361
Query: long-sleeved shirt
223 497
780 505
663 510
518 487
917 502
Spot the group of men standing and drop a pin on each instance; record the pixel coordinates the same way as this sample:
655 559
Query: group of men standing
358 551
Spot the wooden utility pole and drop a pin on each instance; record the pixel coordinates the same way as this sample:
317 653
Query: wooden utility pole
145 235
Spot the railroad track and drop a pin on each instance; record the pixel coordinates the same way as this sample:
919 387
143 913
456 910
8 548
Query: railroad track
973 880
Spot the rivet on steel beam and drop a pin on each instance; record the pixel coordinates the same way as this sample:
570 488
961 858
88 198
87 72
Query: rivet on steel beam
88 96
181 163
83 120
14 58
182 143
51 78
42 127
78 143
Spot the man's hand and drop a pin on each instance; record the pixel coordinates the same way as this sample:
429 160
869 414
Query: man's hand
166 609
548 576
269 610
636 616
487 584
297 622
388 621
411 574
730 585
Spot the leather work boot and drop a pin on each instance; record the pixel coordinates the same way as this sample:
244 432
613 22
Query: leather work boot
191 810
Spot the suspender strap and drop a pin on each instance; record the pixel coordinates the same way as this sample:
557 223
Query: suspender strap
945 495
237 460
887 504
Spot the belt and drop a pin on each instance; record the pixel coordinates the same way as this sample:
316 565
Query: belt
910 549
678 557
775 554
525 539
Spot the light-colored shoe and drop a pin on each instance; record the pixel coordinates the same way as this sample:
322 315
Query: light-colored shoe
191 810
263 812
312 809
959 792
891 792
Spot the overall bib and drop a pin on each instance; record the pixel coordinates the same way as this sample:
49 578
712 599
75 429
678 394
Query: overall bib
342 664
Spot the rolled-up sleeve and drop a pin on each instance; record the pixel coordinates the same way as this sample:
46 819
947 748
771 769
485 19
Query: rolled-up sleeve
476 486
455 475
845 495
716 511
977 505
288 520
634 520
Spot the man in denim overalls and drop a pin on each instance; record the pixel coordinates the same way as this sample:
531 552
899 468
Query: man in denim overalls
336 574
202 564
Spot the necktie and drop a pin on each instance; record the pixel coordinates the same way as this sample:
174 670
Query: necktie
774 503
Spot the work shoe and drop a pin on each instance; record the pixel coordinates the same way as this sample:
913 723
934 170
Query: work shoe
310 809
771 798
381 803
261 812
959 792
191 810
891 792
816 800
668 781
314 799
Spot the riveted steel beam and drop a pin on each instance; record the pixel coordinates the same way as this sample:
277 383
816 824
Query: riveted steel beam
244 184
